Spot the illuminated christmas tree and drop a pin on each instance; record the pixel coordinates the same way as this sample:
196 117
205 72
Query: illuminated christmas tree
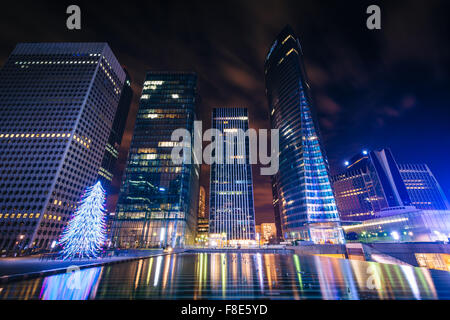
85 234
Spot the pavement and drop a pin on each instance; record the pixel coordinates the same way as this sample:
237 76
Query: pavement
27 267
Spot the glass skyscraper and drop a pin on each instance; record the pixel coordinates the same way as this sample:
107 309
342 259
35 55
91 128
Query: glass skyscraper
231 187
423 188
158 199
57 106
304 204
373 181
370 183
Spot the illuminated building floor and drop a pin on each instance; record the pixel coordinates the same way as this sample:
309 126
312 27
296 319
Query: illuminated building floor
238 276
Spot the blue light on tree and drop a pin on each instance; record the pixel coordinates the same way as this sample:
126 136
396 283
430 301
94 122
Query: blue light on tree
85 234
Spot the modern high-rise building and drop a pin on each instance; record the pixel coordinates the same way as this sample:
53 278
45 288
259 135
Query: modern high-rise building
268 232
232 210
57 107
158 199
304 203
202 219
423 188
370 183
202 202
373 181
106 172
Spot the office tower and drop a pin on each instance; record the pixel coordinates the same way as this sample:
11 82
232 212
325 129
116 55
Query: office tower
268 232
374 181
202 219
232 211
57 106
111 154
158 199
358 191
202 202
423 189
304 204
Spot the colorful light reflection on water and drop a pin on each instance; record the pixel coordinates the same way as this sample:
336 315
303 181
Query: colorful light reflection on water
238 276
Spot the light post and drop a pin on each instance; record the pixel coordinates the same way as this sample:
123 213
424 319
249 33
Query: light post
258 238
21 237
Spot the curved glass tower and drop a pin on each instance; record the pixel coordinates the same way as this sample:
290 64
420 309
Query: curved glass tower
304 204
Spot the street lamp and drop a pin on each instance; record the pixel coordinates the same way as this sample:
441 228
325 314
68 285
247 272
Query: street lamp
258 238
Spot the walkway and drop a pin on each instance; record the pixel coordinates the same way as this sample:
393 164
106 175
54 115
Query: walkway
26 267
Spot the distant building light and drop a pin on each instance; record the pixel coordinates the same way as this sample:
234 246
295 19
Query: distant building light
175 96
162 189
395 235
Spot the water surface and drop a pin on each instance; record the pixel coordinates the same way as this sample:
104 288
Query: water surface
237 276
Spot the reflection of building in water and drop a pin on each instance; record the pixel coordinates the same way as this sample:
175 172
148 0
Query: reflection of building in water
438 261
238 276
76 285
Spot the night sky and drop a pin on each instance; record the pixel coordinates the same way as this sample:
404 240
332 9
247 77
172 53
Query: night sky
372 89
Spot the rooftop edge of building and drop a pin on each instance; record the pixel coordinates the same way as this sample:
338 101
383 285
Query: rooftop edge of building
36 48
149 72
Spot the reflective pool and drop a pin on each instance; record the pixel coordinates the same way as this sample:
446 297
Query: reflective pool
237 276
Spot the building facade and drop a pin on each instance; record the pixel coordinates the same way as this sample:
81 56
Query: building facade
304 203
107 169
423 188
373 181
202 202
231 187
402 224
268 232
57 107
202 219
158 199
357 190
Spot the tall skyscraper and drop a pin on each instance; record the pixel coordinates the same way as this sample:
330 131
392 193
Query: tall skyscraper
423 188
304 204
158 199
231 187
373 181
57 106
202 218
106 172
